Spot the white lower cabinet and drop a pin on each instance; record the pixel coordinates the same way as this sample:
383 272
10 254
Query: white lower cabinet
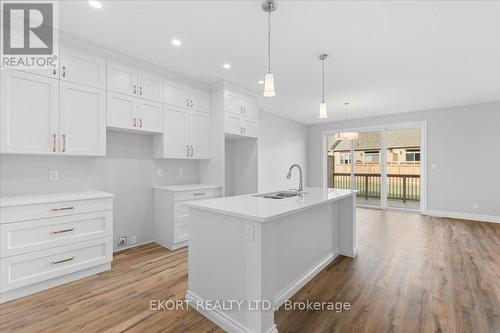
48 240
171 214
186 135
134 114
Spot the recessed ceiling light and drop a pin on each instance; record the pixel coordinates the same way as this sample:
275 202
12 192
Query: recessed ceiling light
260 82
227 66
95 4
176 42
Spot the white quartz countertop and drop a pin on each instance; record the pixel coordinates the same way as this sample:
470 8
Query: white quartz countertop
253 207
52 197
188 187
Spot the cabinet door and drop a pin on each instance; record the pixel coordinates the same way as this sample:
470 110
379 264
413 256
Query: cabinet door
83 68
175 137
122 79
199 133
82 120
175 95
233 124
121 111
250 127
232 103
29 113
150 87
150 116
200 100
249 108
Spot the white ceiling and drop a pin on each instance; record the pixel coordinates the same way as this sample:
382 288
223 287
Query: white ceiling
385 57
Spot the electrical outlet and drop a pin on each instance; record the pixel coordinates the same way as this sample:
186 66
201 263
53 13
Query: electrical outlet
180 172
122 241
160 172
53 175
249 231
434 166
475 205
133 240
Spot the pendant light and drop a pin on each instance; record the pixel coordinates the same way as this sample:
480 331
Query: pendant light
346 135
322 105
269 6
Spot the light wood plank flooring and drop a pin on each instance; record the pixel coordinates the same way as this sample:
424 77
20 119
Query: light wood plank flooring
412 274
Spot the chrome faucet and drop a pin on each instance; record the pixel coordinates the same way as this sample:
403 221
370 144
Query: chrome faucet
289 175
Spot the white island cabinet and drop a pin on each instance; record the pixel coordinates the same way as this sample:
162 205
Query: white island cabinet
171 225
260 251
52 239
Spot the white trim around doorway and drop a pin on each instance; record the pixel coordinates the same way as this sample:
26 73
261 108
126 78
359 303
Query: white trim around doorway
422 125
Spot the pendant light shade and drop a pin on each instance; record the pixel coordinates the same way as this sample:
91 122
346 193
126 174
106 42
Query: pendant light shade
269 85
346 135
322 106
322 110
269 6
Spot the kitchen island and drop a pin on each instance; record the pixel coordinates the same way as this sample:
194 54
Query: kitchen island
248 254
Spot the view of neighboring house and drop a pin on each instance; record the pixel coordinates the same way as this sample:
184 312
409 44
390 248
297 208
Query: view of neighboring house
402 163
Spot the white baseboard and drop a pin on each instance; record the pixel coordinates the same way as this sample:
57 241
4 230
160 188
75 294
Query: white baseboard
464 216
348 252
131 246
302 281
220 318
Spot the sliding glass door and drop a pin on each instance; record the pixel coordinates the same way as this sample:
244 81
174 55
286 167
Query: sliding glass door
384 165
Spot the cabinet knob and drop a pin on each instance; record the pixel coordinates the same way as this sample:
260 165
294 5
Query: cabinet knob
64 71
187 102
140 90
192 150
187 150
134 89
140 122
54 142
134 122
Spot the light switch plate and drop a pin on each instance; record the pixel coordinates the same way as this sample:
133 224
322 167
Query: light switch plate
160 172
180 172
434 166
249 231
53 175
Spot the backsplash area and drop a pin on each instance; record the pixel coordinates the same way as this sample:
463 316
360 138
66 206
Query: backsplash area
128 171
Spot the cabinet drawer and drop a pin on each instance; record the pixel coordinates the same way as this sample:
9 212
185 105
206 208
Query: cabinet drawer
197 194
181 231
29 236
181 211
53 209
26 269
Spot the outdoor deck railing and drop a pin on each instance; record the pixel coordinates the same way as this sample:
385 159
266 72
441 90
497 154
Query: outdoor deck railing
399 186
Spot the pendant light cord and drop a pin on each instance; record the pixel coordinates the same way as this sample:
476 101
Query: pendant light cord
269 42
323 81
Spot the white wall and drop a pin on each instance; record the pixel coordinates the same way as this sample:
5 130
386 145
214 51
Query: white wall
464 142
128 171
282 142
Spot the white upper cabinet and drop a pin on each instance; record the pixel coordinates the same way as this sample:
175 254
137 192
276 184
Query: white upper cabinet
82 120
186 135
241 115
82 68
122 79
199 133
132 82
150 116
183 96
130 113
150 87
29 113
121 111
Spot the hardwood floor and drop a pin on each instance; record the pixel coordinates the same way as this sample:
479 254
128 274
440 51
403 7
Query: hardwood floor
412 274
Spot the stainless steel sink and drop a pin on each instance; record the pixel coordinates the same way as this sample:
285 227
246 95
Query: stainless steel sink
280 195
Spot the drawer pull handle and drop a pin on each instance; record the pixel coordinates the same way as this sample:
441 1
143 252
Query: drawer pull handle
61 261
60 209
199 193
62 231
